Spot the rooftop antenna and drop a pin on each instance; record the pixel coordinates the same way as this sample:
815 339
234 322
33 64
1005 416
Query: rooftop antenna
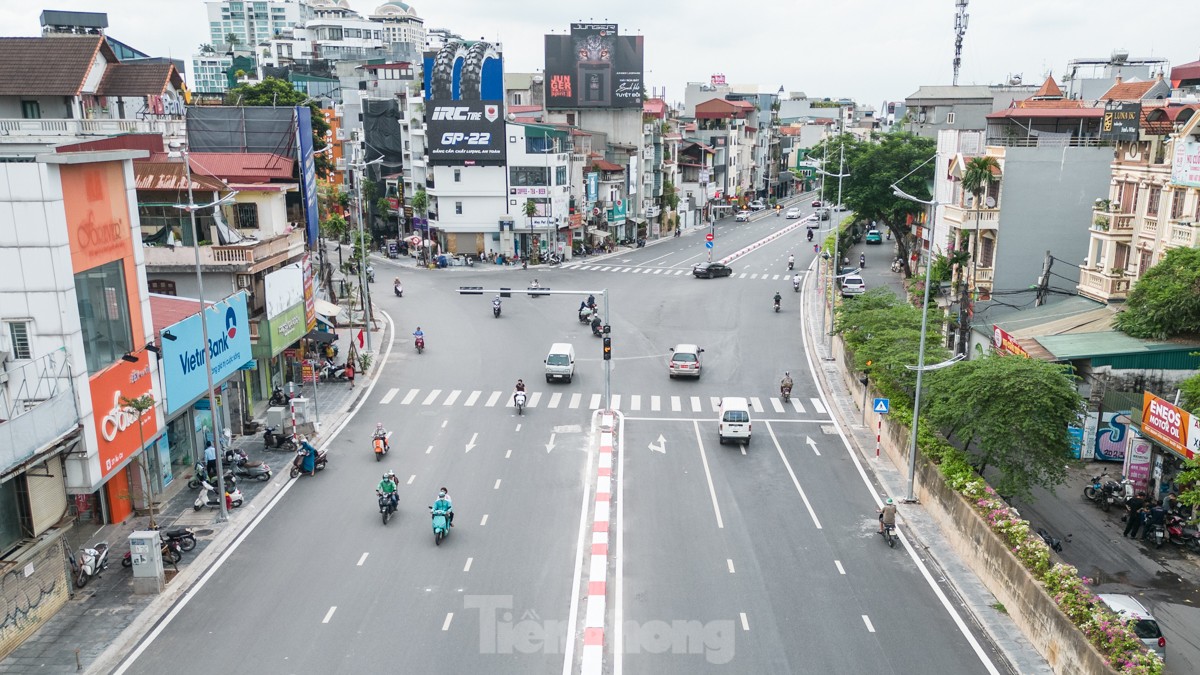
960 29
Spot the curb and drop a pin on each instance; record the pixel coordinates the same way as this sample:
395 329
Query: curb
592 657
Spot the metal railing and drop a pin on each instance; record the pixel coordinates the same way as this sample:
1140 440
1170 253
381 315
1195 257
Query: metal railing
37 406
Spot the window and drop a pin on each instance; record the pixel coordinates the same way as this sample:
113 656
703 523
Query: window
161 286
949 118
517 98
31 110
1177 204
103 315
246 216
539 145
458 175
524 176
560 175
18 333
987 251
1152 203
458 208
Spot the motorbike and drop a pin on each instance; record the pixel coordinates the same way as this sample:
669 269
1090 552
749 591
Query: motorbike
585 315
387 505
862 262
184 535
242 466
791 265
785 392
796 285
496 310
519 401
1180 534
398 290
441 525
380 445
172 551
1156 532
273 440
889 534
1102 490
553 259
278 398
776 306
329 371
91 562
370 274
897 265
676 232
419 343
201 476
641 242
208 497
810 235
298 462
596 330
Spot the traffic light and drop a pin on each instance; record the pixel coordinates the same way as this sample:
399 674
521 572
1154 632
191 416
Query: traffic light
607 348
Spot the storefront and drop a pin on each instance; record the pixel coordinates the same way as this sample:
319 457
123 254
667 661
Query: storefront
291 313
1166 436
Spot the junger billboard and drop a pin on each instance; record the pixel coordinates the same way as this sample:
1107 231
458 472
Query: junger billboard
228 345
466 71
465 131
593 67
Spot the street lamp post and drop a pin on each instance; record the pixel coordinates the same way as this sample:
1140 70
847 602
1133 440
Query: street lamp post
362 267
836 231
191 207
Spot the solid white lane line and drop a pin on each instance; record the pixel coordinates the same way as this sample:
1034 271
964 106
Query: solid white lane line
729 561
803 496
492 399
867 620
446 623
838 563
452 397
708 476
329 614
655 403
497 485
577 574
619 572
676 404
635 402
695 404
777 405
575 399
412 478
745 622
432 397
472 398
363 559
554 399
387 398
467 567
408 398
594 404
818 406
484 521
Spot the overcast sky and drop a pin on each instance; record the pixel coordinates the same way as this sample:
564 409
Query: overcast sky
868 50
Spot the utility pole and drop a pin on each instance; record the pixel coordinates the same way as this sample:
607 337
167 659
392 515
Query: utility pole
960 29
1043 285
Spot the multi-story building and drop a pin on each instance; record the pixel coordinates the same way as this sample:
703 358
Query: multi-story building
250 22
1151 206
932 109
400 23
538 164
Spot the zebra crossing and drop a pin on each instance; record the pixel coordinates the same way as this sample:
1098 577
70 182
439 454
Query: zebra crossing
672 272
629 403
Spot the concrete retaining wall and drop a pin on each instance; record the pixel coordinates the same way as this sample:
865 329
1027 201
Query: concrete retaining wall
33 588
1058 640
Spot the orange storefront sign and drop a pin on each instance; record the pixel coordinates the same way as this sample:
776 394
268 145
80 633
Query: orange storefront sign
1003 342
119 431
1171 426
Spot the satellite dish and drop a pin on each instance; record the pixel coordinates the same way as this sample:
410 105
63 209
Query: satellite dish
989 203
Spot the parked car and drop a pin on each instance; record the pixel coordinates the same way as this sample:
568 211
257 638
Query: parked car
708 270
853 285
742 217
685 361
757 205
793 213
874 237
1143 622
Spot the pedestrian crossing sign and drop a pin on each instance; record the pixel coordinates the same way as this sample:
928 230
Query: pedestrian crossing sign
882 405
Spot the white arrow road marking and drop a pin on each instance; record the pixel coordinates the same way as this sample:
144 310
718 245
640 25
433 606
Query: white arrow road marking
812 444
387 398
471 443
550 445
662 445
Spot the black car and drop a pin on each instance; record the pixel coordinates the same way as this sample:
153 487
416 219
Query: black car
709 270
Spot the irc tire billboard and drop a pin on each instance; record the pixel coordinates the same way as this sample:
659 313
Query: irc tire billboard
465 71
593 67
465 131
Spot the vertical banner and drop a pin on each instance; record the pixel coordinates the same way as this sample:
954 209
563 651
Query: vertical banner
308 172
310 300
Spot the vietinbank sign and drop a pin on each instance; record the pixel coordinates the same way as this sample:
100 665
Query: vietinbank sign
227 346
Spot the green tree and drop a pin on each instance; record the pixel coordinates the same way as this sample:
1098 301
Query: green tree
276 93
335 227
1191 393
385 208
1165 302
139 406
883 332
670 198
530 210
1011 413
979 175
232 39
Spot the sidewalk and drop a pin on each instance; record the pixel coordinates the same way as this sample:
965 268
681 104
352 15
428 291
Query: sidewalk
106 614
1017 654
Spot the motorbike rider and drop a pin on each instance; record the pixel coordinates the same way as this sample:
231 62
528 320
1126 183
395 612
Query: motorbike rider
518 389
778 298
448 506
1155 517
387 486
496 302
786 382
397 286
862 259
887 515
796 280
381 434
591 301
418 334
791 261
810 235
535 284
596 325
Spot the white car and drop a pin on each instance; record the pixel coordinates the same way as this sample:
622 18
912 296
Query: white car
852 284
742 217
793 213
757 205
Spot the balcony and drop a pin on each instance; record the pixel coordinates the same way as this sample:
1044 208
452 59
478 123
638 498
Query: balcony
62 130
962 218
1112 225
1098 285
1182 234
37 408
244 258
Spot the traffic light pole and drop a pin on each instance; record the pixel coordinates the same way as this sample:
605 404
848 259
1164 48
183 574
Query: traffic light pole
607 341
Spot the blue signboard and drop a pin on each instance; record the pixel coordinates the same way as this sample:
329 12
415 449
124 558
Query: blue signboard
593 186
465 71
308 172
228 347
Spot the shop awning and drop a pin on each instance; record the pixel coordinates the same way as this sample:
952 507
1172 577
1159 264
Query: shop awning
321 337
326 308
599 233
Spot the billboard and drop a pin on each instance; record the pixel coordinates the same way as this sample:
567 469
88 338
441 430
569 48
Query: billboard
465 71
1122 120
1186 168
465 131
308 172
120 430
284 289
1171 426
593 67
228 344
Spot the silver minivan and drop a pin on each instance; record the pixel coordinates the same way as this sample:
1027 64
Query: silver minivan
1140 620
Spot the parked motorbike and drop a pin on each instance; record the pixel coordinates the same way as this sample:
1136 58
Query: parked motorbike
242 466
519 401
331 372
897 265
419 343
387 505
553 259
208 497
172 551
278 398
319 465
1156 532
441 525
274 440
641 242
201 476
91 562
184 535
1102 490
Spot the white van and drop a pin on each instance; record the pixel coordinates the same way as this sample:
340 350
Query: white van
734 419
560 362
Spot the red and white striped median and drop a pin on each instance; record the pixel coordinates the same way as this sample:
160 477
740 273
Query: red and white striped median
595 609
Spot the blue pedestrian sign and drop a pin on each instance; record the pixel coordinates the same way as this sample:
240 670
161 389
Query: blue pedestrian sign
708 244
882 406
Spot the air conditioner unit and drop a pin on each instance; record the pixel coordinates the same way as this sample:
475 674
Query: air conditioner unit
341 134
243 281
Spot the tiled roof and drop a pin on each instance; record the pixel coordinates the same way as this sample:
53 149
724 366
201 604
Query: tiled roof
1048 113
1186 71
137 79
168 310
170 176
605 165
1127 91
1050 89
242 167
1057 104
518 109
49 66
654 106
